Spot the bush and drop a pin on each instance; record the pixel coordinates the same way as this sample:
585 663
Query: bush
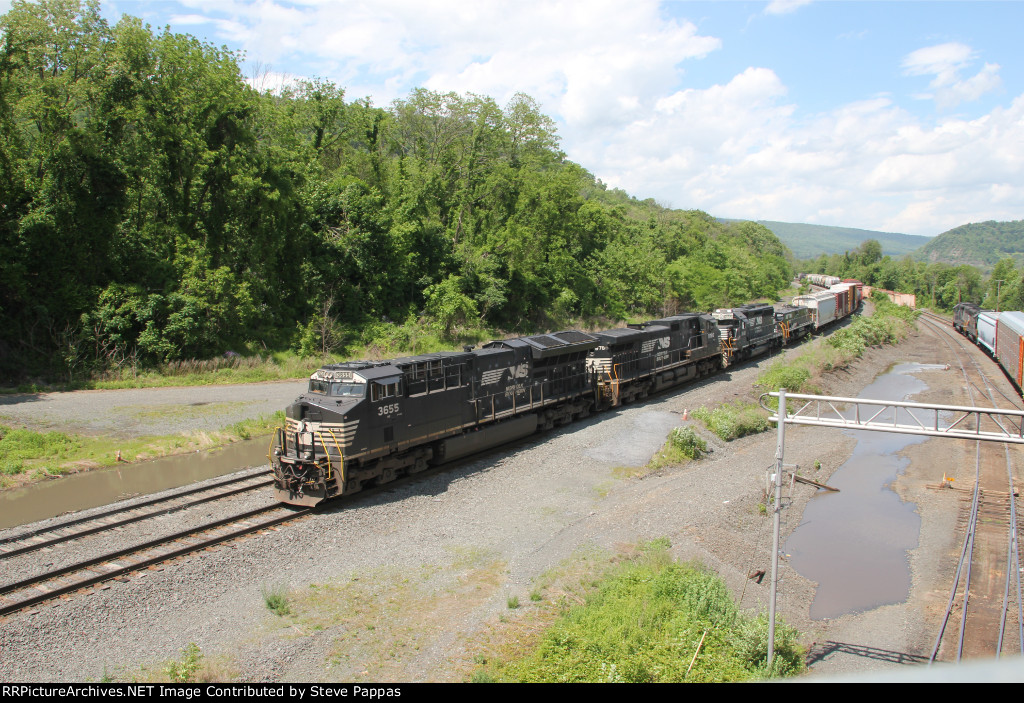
686 441
781 375
735 420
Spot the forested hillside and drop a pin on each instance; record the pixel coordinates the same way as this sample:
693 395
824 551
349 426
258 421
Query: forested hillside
937 285
811 241
154 206
981 244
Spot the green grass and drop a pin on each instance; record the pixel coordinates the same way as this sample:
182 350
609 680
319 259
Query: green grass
889 325
27 456
184 670
681 445
643 623
275 597
734 420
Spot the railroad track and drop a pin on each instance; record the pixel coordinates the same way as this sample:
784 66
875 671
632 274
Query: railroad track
114 518
977 621
119 563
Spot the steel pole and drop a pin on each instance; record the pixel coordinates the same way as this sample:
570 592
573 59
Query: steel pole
779 451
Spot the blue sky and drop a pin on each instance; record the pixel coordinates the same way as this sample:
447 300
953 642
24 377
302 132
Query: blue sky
893 116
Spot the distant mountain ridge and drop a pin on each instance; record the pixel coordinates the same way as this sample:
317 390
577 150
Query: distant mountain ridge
980 244
811 241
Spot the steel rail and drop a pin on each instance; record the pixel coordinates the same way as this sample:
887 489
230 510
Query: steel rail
35 546
119 570
967 552
1012 558
123 509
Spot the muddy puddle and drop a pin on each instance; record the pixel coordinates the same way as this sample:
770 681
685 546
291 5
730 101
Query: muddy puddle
100 487
854 543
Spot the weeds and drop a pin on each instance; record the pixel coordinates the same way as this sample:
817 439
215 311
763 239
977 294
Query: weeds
682 445
184 670
643 622
686 441
275 597
733 420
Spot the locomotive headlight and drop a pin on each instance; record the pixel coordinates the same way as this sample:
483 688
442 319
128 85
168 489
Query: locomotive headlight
308 454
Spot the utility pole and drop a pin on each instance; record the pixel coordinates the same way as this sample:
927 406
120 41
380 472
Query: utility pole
998 281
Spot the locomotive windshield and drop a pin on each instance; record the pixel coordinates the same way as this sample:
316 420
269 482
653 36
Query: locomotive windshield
351 390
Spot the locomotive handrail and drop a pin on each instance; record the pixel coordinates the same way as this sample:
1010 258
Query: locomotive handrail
341 455
270 447
327 453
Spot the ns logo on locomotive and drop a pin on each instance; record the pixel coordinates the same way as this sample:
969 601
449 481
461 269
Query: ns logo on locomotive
363 423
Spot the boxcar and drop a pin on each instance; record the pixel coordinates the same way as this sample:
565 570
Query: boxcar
1010 344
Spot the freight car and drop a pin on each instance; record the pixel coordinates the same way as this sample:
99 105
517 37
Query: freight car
986 324
1010 345
822 306
364 423
821 280
1000 334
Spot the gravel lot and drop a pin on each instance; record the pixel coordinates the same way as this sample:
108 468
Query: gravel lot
140 412
411 583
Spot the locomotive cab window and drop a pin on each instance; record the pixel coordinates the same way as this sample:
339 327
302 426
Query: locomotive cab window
380 391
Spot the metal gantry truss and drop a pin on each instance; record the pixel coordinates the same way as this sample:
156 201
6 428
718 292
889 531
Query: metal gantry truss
950 421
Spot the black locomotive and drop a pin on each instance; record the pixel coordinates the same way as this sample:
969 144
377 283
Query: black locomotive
366 423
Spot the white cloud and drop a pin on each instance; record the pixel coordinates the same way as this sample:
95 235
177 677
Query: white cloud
946 62
738 150
612 74
597 62
784 7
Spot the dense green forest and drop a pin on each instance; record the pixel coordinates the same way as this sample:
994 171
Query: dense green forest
154 206
981 244
938 285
